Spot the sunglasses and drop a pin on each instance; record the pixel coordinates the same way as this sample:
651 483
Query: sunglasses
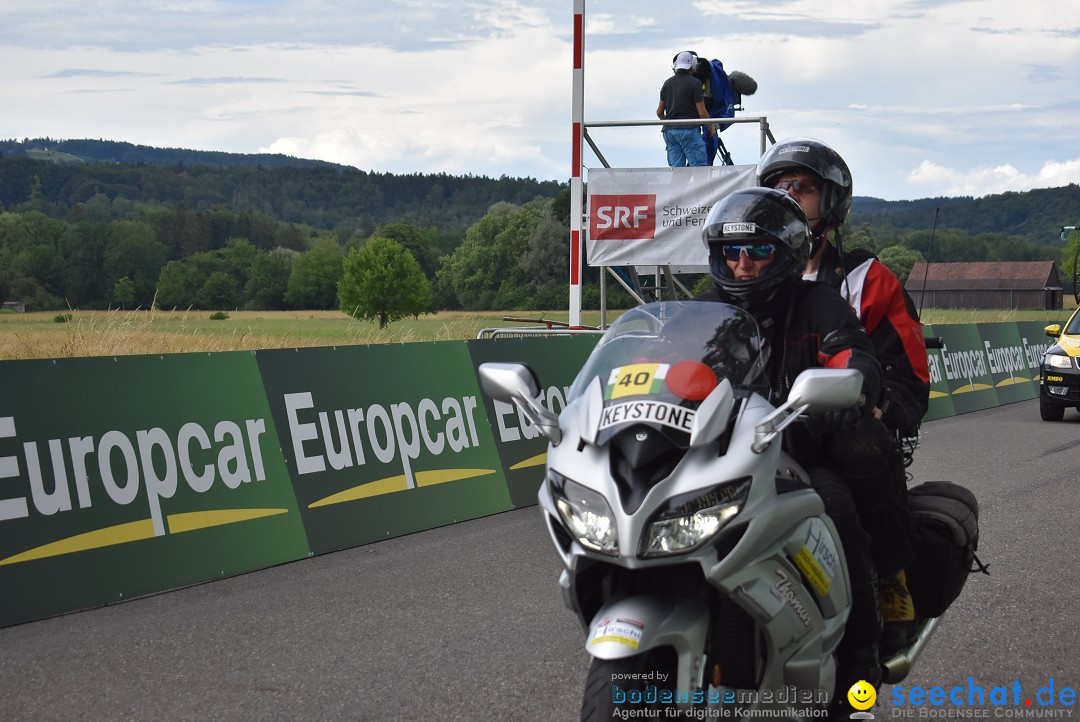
754 251
796 185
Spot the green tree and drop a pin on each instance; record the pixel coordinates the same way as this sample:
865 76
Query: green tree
899 260
414 241
314 277
219 293
269 280
133 252
383 281
239 254
176 286
124 292
486 271
546 261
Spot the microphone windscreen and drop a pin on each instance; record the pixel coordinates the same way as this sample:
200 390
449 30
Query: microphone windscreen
742 83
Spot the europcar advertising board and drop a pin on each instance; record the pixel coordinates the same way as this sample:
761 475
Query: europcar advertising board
521 447
966 367
940 404
383 440
1036 342
1008 360
125 476
121 477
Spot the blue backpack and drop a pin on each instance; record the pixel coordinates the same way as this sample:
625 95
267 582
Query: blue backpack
720 101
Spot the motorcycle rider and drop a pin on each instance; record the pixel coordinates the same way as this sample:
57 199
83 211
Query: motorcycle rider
817 177
758 241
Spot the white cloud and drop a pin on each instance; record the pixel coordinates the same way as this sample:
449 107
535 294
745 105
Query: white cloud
935 180
484 86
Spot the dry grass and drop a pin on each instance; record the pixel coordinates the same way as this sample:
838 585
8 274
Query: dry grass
122 333
117 333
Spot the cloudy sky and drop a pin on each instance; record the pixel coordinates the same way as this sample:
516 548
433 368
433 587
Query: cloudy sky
922 97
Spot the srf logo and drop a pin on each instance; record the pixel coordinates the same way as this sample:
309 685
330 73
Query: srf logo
623 217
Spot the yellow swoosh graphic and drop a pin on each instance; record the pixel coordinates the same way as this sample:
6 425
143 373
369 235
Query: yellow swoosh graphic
1010 382
430 478
393 484
538 460
119 534
193 520
972 387
138 531
937 394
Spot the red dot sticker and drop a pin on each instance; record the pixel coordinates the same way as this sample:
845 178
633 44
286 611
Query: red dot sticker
691 380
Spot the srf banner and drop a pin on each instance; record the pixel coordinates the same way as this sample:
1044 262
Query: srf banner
655 216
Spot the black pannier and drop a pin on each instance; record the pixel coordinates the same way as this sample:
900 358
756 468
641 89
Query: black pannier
945 536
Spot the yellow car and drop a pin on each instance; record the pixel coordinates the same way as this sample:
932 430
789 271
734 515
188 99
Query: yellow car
1059 386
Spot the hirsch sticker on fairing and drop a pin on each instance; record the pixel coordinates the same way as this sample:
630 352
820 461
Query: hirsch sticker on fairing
818 558
619 631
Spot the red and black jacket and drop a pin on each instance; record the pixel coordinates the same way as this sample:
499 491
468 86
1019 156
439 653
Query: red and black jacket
889 316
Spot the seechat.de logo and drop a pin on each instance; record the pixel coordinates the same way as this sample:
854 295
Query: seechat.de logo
623 217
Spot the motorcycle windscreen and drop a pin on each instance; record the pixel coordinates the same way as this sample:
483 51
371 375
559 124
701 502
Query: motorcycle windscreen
659 361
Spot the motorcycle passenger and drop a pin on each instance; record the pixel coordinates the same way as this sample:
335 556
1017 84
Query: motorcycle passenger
817 177
758 241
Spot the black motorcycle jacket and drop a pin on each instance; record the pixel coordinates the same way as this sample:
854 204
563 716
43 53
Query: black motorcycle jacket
809 325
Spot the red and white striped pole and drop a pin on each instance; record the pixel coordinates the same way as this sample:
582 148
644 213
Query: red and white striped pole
578 119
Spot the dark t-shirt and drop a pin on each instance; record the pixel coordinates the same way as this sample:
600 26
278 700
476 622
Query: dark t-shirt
681 93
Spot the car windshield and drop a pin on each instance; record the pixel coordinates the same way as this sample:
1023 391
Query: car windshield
1074 324
660 360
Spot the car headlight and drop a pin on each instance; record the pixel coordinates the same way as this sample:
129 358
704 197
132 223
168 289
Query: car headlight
686 522
1058 361
585 513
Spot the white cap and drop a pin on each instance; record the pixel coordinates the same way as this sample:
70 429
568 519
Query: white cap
685 60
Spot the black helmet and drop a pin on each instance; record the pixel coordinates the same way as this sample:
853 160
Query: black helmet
757 215
807 154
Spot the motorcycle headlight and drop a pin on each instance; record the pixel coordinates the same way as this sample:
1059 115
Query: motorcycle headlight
1058 361
686 522
585 513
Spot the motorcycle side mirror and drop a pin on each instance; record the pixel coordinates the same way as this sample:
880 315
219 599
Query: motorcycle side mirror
826 389
516 383
814 391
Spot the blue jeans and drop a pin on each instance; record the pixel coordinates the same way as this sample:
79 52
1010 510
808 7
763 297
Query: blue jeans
685 146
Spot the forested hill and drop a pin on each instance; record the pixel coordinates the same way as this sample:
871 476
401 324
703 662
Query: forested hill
111 151
291 190
326 195
1035 215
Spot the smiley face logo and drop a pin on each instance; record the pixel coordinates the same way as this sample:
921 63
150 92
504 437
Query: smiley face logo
862 695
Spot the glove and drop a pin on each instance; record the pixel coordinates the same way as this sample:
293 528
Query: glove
830 422
895 412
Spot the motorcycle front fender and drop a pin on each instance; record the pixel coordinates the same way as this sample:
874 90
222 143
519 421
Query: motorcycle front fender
634 625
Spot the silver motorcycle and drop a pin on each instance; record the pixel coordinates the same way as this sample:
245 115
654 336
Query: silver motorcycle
696 555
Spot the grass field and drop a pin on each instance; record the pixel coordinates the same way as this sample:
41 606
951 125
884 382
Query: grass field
117 333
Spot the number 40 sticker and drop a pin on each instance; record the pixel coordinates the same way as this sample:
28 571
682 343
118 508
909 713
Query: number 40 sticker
635 380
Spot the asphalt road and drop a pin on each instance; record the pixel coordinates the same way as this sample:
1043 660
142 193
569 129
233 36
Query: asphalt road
465 622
